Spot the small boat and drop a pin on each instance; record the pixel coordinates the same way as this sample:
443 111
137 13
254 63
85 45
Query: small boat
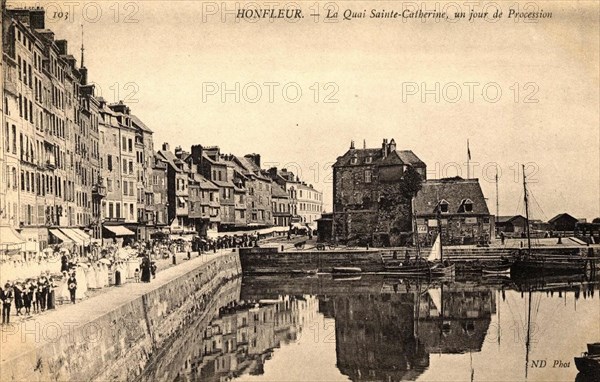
346 270
303 272
588 364
433 266
528 264
346 277
594 348
549 266
442 270
502 268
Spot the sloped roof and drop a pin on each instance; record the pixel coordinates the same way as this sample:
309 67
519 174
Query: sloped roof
203 182
278 192
563 215
222 183
395 157
506 219
247 164
251 168
169 158
141 124
452 190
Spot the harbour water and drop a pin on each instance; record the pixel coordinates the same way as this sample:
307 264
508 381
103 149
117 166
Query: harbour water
374 328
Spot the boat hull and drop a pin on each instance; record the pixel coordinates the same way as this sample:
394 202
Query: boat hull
548 267
434 270
594 349
346 270
589 365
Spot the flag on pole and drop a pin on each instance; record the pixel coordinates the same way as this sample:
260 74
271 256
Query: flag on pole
468 150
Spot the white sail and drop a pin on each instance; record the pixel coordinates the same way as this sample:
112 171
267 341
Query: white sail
436 251
435 295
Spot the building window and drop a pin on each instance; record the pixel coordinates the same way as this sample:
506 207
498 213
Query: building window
368 159
466 205
354 160
367 176
443 206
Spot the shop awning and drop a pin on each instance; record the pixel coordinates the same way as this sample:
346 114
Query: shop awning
73 236
84 236
10 236
60 236
119 230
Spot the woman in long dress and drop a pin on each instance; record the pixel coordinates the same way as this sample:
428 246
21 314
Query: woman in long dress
122 269
81 283
63 291
98 275
90 275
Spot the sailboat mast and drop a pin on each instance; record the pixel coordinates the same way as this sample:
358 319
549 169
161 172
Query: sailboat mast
528 340
439 223
497 196
526 212
415 228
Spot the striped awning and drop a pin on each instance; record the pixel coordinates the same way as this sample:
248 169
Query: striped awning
71 234
84 236
10 239
119 230
60 236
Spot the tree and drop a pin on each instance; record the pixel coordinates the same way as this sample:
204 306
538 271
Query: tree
394 215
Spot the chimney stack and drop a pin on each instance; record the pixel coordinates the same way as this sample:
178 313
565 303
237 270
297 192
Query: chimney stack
392 146
351 145
37 18
384 148
165 146
255 158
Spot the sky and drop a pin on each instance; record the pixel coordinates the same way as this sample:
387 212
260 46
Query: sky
522 93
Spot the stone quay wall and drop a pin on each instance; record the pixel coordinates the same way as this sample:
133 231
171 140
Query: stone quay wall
269 260
121 343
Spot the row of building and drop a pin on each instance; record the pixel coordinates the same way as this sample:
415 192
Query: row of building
74 167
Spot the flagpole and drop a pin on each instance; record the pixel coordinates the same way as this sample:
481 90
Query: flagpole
468 161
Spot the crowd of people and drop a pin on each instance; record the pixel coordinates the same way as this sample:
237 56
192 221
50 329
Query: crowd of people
59 275
56 277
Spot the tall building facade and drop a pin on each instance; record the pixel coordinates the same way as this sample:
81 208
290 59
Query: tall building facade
309 203
49 135
361 178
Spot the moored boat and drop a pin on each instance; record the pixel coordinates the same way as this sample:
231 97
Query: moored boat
430 267
549 265
502 268
527 264
594 348
588 364
346 270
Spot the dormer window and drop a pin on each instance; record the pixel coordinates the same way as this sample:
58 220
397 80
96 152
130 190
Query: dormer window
443 206
354 159
368 160
466 205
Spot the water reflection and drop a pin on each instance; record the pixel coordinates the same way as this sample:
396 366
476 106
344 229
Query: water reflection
392 330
